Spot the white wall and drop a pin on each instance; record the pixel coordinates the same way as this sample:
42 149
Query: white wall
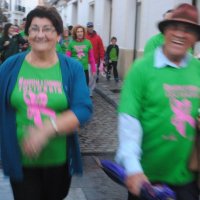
123 22
152 13
69 14
99 13
29 5
72 14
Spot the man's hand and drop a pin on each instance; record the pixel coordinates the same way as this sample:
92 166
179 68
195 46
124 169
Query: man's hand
134 183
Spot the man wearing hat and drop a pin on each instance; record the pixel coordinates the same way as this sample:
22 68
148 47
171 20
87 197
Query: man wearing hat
158 109
97 44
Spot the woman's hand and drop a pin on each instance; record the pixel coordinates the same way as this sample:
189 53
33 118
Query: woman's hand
134 183
36 139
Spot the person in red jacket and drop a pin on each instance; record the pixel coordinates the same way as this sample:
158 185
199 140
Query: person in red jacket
97 44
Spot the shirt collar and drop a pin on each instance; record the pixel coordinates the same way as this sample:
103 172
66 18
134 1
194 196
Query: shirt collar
162 61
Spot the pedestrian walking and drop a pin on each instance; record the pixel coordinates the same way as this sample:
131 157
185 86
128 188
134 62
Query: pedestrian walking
112 53
64 41
10 42
99 52
70 28
158 109
43 100
81 49
25 46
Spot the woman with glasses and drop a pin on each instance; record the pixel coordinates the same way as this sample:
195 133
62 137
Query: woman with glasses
81 49
43 100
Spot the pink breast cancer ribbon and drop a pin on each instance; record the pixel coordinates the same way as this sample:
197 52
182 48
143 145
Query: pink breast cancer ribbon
36 104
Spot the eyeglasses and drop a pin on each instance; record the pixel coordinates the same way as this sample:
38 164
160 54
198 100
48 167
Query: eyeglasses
47 30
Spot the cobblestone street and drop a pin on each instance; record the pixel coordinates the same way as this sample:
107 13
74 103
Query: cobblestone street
99 138
100 135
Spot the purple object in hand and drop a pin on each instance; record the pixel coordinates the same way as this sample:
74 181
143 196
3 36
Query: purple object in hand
114 171
156 192
148 191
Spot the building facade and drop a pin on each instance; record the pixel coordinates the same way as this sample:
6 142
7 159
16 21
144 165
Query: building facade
131 21
16 10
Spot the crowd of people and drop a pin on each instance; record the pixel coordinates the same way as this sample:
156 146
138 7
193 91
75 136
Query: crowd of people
45 77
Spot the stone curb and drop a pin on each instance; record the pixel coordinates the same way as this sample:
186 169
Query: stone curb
104 90
106 96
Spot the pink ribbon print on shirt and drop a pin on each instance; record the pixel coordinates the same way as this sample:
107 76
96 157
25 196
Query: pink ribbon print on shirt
35 95
79 51
37 105
182 115
181 106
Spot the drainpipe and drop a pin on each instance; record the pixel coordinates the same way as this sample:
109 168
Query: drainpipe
137 3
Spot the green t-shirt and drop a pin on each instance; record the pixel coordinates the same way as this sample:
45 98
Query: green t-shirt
165 101
113 54
38 95
80 50
156 41
59 48
153 43
64 45
22 33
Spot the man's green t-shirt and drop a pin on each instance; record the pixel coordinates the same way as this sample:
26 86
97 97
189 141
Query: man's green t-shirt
80 51
38 95
165 101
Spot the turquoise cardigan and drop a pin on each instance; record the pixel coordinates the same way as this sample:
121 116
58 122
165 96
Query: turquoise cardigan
80 104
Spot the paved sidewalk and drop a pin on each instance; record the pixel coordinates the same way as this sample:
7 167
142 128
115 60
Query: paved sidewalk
95 183
109 90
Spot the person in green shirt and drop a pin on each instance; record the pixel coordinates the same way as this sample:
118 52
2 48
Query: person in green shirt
112 53
81 49
158 107
47 100
62 45
158 39
25 46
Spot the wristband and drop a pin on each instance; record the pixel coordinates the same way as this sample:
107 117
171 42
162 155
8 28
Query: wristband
53 123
